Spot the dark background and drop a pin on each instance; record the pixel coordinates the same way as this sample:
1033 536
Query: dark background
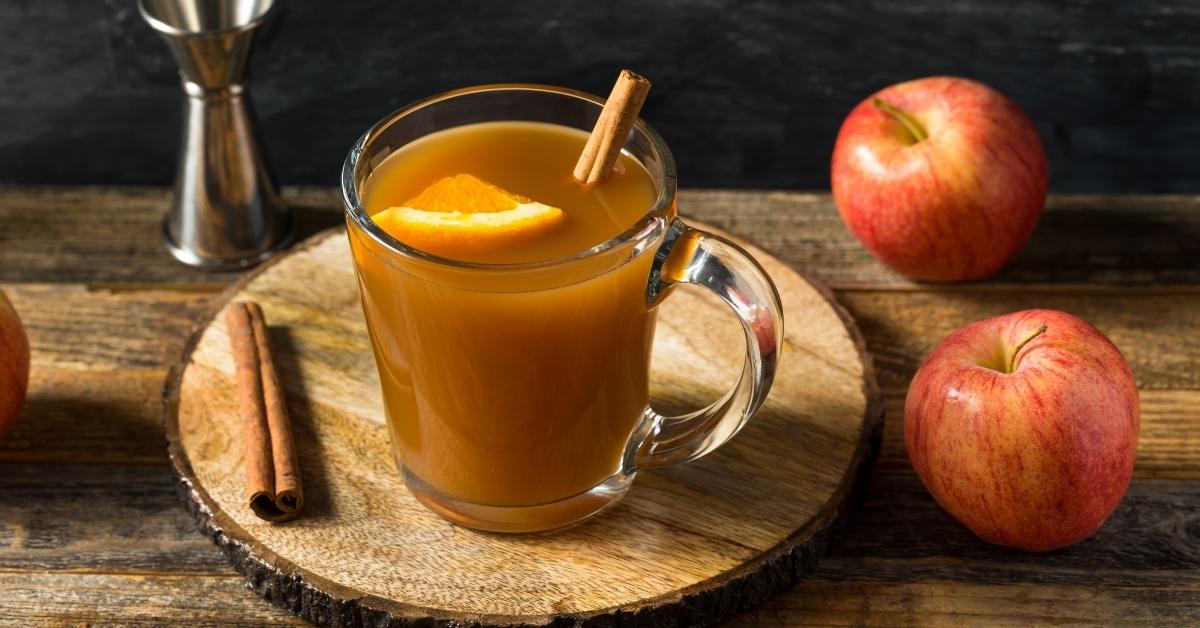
748 94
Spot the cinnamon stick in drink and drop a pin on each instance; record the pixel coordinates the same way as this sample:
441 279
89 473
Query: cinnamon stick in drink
273 489
612 128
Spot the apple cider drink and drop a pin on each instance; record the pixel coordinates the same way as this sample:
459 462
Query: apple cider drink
547 414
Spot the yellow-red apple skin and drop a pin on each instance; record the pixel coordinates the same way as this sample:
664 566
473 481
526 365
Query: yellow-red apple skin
955 206
1035 459
14 364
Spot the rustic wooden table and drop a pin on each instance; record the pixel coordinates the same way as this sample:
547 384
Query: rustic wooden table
92 531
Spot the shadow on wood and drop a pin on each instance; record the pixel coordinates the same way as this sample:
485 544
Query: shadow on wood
309 452
901 534
1100 240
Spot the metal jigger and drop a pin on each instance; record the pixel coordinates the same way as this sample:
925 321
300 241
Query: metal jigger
226 213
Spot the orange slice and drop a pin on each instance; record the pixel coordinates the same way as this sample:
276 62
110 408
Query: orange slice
464 193
464 216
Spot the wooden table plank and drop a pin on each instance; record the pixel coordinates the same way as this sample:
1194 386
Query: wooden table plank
90 528
72 415
112 235
79 326
1158 241
1156 331
98 518
899 534
115 519
58 598
1168 444
155 600
868 603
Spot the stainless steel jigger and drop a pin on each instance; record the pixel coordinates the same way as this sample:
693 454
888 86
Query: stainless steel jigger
226 213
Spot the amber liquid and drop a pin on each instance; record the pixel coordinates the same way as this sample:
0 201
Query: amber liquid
512 388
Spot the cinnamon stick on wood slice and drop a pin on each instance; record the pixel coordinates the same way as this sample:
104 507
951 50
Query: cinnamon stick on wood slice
289 494
612 128
273 489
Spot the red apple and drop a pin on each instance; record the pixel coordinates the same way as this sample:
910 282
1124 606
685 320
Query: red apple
14 364
1024 428
942 178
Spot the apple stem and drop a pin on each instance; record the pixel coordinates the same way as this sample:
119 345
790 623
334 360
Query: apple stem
913 127
1012 362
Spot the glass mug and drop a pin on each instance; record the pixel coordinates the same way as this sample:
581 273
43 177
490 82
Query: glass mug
516 395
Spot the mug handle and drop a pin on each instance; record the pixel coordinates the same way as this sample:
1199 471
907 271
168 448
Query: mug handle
692 256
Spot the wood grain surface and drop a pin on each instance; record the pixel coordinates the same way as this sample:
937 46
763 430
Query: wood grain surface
103 235
91 530
690 544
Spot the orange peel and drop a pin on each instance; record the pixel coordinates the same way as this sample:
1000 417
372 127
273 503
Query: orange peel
463 215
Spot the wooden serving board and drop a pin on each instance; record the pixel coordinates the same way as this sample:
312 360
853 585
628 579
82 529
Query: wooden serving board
690 544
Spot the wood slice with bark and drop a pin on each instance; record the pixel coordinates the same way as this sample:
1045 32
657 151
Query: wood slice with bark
689 545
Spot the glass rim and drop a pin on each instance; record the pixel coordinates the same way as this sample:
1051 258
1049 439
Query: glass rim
638 230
